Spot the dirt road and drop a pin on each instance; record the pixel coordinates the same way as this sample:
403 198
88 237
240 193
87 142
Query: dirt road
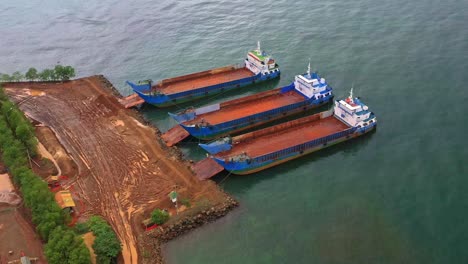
123 170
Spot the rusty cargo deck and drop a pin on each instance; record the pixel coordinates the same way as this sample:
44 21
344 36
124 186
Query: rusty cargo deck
202 79
248 106
282 136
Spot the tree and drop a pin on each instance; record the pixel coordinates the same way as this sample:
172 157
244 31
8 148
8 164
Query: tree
68 73
80 255
106 245
25 134
159 216
32 74
17 76
46 75
64 246
5 77
59 72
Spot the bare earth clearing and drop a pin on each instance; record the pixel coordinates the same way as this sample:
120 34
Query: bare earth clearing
117 166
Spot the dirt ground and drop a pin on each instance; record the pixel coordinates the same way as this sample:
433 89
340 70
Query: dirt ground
116 165
17 235
88 239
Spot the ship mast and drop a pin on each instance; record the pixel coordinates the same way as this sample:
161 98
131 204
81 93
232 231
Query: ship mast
308 70
258 46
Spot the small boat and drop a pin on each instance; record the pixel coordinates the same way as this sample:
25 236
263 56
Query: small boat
307 91
265 148
257 67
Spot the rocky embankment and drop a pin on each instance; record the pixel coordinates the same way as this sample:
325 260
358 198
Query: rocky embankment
170 231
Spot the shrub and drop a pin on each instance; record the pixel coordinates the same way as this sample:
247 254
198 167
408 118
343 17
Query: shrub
159 216
3 96
186 202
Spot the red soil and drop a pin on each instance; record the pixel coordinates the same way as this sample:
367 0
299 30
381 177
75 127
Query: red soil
118 167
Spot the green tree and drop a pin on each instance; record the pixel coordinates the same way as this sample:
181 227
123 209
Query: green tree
32 74
159 216
46 75
59 72
106 245
80 255
17 76
64 246
5 78
81 228
68 73
25 134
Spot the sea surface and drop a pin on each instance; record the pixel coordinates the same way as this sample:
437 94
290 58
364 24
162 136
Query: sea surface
399 195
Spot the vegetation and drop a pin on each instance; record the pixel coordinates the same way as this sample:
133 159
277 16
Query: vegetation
17 141
65 246
159 216
106 245
81 228
59 73
186 202
19 125
32 74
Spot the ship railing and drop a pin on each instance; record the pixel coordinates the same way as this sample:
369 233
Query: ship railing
304 146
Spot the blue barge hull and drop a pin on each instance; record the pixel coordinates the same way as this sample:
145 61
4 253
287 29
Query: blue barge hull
161 99
247 112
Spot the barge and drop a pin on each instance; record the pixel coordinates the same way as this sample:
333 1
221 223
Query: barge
307 91
261 149
257 67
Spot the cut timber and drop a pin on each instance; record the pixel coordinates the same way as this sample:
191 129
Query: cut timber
175 135
131 100
206 168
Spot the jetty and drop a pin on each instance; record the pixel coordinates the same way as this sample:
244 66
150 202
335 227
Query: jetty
131 101
206 169
175 135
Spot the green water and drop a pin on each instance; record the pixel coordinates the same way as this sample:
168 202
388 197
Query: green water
396 196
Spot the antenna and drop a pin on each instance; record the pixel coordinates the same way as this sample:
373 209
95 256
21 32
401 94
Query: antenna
308 69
